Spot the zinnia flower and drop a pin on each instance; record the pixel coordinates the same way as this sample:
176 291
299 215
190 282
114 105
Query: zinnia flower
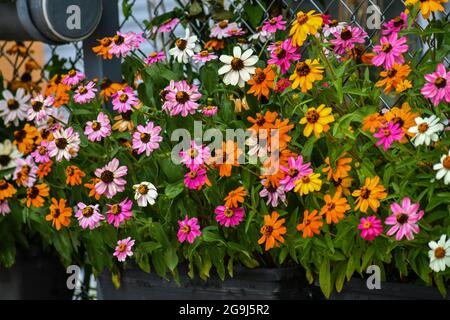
98 129
66 144
272 231
14 108
181 98
346 39
404 219
123 43
439 254
273 193
7 190
317 120
283 54
184 48
124 249
8 156
308 183
235 197
394 77
89 216
437 88
369 195
261 82
195 156
209 110
38 110
73 77
388 134
221 29
395 25
111 179
429 6
295 171
239 67
333 27
426 130
370 228
4 207
119 212
334 208
168 25
312 222
443 168
390 51
124 100
204 56
306 73
303 25
341 170
195 178
59 215
145 193
189 230
229 217
74 175
25 172
147 138
85 93
155 57
274 24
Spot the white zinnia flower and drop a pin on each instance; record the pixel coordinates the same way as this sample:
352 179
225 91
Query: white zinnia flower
14 108
185 48
8 155
262 36
239 67
334 27
443 168
439 254
38 110
145 192
426 130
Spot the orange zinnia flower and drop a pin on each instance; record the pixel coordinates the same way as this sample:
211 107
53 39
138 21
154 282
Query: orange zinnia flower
59 214
404 117
373 122
108 88
369 195
342 185
7 190
261 82
26 138
334 208
57 89
342 168
393 77
263 121
311 224
283 128
44 169
103 48
227 158
91 187
74 175
272 231
215 44
35 195
360 55
235 197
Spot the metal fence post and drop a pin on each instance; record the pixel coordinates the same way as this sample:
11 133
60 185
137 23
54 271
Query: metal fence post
95 66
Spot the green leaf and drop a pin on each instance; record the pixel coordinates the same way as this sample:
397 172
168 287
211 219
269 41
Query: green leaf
171 258
174 189
325 277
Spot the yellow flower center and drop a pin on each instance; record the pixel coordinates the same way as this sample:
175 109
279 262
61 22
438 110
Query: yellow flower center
223 24
446 162
115 209
88 212
143 189
302 18
439 252
96 125
386 48
186 229
423 127
228 213
367 225
123 98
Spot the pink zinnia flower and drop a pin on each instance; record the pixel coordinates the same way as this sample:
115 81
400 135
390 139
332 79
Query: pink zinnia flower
124 99
283 54
296 170
122 44
195 156
273 194
235 32
220 29
189 230
73 78
123 249
182 99
437 87
168 25
111 181
66 144
370 228
229 217
41 154
89 216
38 110
85 93
118 213
135 39
282 84
388 134
347 38
404 219
204 56
395 25
147 138
195 179
209 110
25 172
274 24
4 208
155 57
98 129
390 51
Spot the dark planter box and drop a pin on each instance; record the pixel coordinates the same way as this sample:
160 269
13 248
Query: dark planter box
34 276
248 284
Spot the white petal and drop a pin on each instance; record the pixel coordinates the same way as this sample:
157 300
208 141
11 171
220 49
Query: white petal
224 69
237 52
246 54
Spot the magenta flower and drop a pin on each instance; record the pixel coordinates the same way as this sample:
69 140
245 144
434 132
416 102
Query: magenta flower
370 228
195 179
111 181
274 194
437 88
296 170
282 84
168 26
404 219
209 111
182 99
98 129
395 25
39 106
88 216
118 213
189 230
390 51
73 77
155 57
4 207
204 56
85 93
124 100
124 249
347 38
195 156
41 154
25 172
274 24
123 43
229 217
66 144
283 54
388 134
147 138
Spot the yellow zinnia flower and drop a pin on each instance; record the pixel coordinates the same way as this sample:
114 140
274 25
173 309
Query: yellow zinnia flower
369 195
308 183
306 73
317 120
429 6
303 25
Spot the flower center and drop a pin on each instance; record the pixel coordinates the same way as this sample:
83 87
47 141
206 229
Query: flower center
312 116
143 189
61 143
88 212
193 153
386 48
237 64
32 192
392 73
273 21
402 218
398 21
204 53
42 150
333 23
13 104
302 69
386 132
145 137
346 34
259 77
440 83
118 40
293 172
280 53
115 209
56 213
96 125
122 247
365 193
193 174
439 252
186 229
123 98
182 97
107 176
223 24
181 44
83 90
302 18
367 225
37 106
70 171
260 121
19 135
267 230
306 179
72 73
105 42
446 162
4 160
154 54
105 84
3 185
423 127
228 213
